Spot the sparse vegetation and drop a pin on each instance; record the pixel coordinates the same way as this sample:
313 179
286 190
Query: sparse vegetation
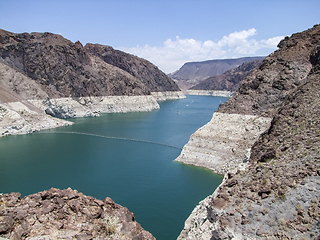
111 224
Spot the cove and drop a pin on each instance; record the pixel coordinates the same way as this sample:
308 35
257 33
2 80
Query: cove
140 175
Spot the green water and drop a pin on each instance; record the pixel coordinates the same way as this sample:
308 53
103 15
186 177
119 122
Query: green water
138 175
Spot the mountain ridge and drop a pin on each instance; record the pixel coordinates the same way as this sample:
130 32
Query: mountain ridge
191 73
229 80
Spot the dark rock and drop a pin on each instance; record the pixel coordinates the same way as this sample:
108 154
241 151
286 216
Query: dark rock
154 79
232 183
59 68
268 155
281 72
230 80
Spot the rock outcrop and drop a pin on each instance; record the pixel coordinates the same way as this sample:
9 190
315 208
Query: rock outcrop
192 73
224 143
276 196
66 214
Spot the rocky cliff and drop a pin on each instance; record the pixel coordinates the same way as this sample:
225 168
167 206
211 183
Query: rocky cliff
192 73
274 195
66 214
279 74
46 73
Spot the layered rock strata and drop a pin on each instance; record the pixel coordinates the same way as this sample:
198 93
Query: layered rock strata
66 214
277 195
92 106
224 143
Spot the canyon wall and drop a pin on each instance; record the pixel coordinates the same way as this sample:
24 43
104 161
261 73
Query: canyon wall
274 193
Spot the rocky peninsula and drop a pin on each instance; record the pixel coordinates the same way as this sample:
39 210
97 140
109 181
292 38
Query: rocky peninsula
272 193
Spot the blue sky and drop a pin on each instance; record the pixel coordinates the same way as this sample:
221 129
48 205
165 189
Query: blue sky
168 33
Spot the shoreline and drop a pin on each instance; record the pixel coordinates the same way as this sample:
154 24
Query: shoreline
28 116
224 143
215 93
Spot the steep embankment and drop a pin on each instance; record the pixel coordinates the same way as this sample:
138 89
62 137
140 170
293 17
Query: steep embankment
49 73
277 194
66 214
192 73
227 82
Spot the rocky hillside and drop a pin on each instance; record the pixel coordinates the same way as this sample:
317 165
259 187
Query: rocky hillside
150 75
46 73
277 195
192 73
230 80
65 69
66 214
279 74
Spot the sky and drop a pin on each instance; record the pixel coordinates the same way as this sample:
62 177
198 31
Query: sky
168 33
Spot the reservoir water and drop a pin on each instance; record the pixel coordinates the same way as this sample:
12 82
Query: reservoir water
141 176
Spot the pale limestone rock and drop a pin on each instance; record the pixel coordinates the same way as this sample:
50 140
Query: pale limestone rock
17 118
221 144
162 96
216 93
92 106
203 223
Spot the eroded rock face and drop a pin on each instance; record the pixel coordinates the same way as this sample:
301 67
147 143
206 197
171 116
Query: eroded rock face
66 214
222 144
277 195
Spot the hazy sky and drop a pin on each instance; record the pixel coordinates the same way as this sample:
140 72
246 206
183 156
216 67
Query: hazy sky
167 32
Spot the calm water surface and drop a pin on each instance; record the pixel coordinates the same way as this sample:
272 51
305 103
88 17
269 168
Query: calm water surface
140 176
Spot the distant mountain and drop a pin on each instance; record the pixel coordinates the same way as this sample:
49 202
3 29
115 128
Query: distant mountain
230 80
192 73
